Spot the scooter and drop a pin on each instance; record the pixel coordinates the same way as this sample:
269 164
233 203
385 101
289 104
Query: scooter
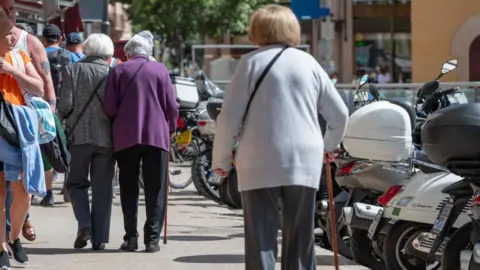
450 140
358 217
411 208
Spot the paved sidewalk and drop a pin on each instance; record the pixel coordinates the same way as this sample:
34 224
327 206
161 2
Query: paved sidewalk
202 235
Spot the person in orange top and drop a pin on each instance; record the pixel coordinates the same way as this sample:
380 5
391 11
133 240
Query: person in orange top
12 80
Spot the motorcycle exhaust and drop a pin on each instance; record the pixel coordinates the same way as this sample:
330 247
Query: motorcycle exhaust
360 215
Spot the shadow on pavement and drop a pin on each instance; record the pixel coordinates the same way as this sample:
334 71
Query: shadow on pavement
236 235
194 199
61 251
238 215
240 258
183 193
213 258
196 238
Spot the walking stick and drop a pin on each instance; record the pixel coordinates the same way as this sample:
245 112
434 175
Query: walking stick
331 203
167 184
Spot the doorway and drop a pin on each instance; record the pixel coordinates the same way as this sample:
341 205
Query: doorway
474 59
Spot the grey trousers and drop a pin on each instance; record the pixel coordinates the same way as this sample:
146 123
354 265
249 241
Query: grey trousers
261 217
100 162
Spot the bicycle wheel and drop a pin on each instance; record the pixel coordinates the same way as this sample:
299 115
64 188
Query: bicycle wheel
177 181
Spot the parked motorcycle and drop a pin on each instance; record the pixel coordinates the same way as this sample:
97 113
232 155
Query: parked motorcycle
414 202
189 143
449 138
372 173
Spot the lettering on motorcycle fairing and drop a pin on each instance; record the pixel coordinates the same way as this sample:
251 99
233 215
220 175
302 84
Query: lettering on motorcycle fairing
417 205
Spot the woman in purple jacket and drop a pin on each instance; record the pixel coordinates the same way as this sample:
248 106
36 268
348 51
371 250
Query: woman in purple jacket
141 100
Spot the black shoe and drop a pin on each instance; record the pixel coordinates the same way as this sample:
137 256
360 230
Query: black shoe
130 245
152 248
82 239
48 200
98 246
4 261
18 253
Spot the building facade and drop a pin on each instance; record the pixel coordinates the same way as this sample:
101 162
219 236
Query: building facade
445 29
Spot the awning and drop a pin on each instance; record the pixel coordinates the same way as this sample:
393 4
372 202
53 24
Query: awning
32 10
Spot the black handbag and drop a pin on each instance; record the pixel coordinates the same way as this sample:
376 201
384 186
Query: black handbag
228 191
56 151
8 126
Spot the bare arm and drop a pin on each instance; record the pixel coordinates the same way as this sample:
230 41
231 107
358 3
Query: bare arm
42 66
30 80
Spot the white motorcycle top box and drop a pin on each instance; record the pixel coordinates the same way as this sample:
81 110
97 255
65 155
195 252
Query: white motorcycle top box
187 92
379 131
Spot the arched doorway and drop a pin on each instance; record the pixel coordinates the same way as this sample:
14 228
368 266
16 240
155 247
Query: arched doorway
474 59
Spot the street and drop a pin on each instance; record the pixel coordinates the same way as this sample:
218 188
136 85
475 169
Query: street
202 235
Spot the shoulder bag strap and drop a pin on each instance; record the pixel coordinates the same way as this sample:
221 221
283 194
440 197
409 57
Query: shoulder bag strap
84 109
260 79
131 80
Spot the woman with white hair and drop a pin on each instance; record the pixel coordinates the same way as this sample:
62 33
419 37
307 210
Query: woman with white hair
88 131
141 100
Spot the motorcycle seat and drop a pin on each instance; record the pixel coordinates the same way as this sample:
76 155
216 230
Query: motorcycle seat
408 106
421 156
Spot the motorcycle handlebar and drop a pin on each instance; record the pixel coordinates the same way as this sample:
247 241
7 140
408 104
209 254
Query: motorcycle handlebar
446 91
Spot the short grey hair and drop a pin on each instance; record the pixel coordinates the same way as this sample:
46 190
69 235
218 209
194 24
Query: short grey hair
98 45
141 43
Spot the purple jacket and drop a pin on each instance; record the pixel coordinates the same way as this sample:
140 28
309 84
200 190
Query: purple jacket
143 104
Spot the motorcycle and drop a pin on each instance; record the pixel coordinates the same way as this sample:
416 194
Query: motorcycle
376 172
410 208
449 140
204 180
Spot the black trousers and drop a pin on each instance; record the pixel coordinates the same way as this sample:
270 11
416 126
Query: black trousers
153 162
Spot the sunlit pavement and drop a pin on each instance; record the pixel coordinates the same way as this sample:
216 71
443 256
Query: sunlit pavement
202 235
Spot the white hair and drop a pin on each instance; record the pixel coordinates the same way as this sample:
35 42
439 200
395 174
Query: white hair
141 43
98 45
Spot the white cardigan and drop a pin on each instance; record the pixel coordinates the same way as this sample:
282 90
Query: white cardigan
280 143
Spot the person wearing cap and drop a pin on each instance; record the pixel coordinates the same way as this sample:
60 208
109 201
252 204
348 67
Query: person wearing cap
58 58
75 46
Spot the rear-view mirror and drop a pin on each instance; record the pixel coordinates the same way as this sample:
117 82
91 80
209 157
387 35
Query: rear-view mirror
363 81
449 66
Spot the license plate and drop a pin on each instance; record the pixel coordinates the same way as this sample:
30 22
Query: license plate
372 231
184 138
442 218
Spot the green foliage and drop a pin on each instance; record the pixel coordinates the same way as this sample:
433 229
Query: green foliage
179 23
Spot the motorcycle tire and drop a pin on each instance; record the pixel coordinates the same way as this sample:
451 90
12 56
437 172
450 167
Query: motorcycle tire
200 176
362 250
343 246
458 242
395 241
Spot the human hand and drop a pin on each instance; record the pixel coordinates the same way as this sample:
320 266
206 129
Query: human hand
329 157
220 172
6 67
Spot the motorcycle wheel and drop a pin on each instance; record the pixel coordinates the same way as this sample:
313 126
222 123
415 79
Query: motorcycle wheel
394 247
459 241
363 251
201 169
343 236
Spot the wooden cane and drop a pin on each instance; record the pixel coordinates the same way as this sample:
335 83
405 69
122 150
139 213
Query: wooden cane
167 184
331 203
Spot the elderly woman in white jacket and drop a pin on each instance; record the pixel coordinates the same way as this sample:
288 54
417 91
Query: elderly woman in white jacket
281 146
